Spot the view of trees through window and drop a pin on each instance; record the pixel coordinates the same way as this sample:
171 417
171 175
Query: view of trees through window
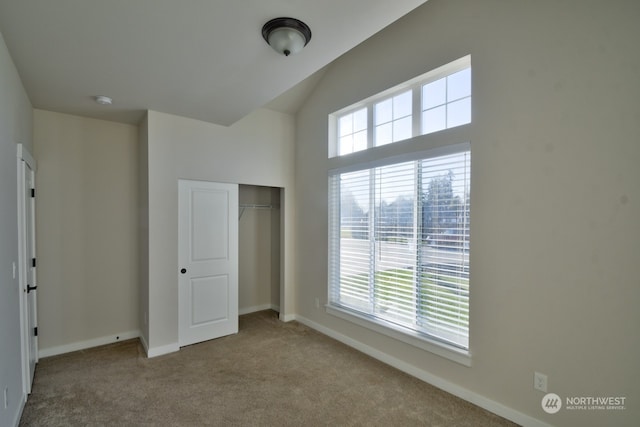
404 240
399 233
444 209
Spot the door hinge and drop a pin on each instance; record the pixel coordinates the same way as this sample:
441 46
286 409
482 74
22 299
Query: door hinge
33 262
33 192
35 331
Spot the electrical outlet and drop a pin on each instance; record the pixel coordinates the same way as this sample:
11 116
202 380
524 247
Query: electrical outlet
317 302
540 381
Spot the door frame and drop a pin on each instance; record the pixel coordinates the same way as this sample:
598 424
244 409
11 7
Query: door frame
24 159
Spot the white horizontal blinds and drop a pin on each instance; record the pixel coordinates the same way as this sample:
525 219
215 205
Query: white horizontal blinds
334 238
403 241
355 254
395 242
399 226
443 296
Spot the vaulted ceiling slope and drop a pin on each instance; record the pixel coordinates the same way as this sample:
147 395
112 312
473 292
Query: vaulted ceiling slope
203 59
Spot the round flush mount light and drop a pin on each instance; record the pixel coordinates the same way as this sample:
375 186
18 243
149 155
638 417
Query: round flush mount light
287 36
103 100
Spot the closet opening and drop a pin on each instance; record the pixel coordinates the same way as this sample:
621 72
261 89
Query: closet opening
259 248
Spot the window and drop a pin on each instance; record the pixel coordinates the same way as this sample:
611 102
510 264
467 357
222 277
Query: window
399 221
353 132
393 119
438 100
446 102
399 244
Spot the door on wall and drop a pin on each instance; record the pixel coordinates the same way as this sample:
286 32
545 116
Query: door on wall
27 265
208 260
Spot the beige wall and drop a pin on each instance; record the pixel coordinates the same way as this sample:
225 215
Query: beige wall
15 127
257 150
555 196
87 227
259 249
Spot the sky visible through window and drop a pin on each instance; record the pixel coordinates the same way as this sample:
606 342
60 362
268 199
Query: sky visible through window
444 103
399 215
403 246
392 119
353 132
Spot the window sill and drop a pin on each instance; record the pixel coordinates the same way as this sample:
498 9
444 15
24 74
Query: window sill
452 353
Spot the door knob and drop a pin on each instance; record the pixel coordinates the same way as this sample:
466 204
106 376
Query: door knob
31 288
183 270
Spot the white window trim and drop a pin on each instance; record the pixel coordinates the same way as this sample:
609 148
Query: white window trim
424 146
404 335
423 154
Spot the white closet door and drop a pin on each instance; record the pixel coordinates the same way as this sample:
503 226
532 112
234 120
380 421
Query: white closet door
27 265
208 257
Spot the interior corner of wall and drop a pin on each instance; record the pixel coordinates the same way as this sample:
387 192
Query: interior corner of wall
143 341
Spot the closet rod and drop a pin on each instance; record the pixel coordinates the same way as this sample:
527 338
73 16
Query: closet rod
254 206
244 206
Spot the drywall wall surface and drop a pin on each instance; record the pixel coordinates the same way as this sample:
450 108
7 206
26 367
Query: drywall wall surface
257 150
87 228
16 117
555 200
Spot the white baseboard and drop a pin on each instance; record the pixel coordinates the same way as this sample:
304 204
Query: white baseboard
171 348
82 345
290 317
253 309
461 392
158 351
162 350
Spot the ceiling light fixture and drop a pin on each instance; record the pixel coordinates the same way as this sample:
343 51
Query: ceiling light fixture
286 36
103 100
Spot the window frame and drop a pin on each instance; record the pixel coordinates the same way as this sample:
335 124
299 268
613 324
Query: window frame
439 143
415 85
405 334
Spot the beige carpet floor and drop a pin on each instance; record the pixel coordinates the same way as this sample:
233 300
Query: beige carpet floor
269 374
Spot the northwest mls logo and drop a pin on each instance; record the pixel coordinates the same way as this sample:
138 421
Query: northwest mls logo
551 403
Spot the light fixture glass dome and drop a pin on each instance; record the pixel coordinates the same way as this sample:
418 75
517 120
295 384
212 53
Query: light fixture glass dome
286 36
286 41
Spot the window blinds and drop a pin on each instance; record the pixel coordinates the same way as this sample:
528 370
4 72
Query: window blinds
399 240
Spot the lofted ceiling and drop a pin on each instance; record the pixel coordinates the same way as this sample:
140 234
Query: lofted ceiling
203 59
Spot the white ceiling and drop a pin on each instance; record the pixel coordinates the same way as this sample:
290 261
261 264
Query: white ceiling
203 59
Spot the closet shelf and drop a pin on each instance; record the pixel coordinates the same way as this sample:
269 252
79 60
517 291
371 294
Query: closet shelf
244 206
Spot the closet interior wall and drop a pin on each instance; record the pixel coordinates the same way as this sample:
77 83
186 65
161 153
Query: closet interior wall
259 248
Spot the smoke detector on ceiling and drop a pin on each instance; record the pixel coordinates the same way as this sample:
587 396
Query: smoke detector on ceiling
103 100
